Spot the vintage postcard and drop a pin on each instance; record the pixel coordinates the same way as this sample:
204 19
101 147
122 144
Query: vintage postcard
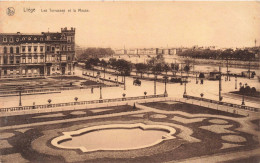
129 81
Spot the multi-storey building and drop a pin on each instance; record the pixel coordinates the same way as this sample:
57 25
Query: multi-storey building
44 54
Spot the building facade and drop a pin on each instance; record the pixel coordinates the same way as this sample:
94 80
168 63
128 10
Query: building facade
44 54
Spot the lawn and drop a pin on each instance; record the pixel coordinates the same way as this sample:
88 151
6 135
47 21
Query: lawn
188 108
195 138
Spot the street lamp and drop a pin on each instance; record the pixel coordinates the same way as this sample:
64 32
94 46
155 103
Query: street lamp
220 85
185 81
235 82
243 95
100 92
155 77
196 77
20 88
165 90
124 83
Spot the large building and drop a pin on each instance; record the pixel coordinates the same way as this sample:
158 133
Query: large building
43 54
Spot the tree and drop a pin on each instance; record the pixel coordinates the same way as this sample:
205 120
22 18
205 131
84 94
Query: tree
141 68
104 64
95 53
157 69
253 90
166 68
91 62
186 68
124 67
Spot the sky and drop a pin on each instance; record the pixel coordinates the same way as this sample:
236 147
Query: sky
141 24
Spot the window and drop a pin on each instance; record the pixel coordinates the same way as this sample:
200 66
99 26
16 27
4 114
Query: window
4 39
29 38
23 38
52 48
5 49
11 39
17 59
5 59
30 59
69 39
11 59
17 50
41 39
11 50
69 48
23 48
29 48
35 48
41 58
23 59
35 57
48 48
41 48
35 38
17 39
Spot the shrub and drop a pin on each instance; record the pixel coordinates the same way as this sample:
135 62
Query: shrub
247 90
242 90
253 90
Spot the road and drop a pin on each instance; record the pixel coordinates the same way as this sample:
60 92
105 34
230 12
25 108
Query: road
209 89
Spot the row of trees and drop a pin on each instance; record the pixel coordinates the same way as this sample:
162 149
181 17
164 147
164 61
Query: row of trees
122 66
219 54
156 65
95 53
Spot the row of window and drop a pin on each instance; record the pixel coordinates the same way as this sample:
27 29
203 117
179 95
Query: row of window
35 49
17 59
30 48
11 39
11 49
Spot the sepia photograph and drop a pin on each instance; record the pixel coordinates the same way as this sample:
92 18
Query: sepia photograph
129 81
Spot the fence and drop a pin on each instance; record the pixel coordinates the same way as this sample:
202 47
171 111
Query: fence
223 103
34 91
77 103
108 80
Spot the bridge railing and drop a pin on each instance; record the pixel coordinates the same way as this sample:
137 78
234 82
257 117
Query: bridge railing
21 108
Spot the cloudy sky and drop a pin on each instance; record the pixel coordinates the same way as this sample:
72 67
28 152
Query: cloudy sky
141 24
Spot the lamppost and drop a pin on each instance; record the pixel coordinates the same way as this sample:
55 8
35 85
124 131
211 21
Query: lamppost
20 88
185 81
196 77
235 82
100 92
165 90
220 88
124 83
243 96
155 77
